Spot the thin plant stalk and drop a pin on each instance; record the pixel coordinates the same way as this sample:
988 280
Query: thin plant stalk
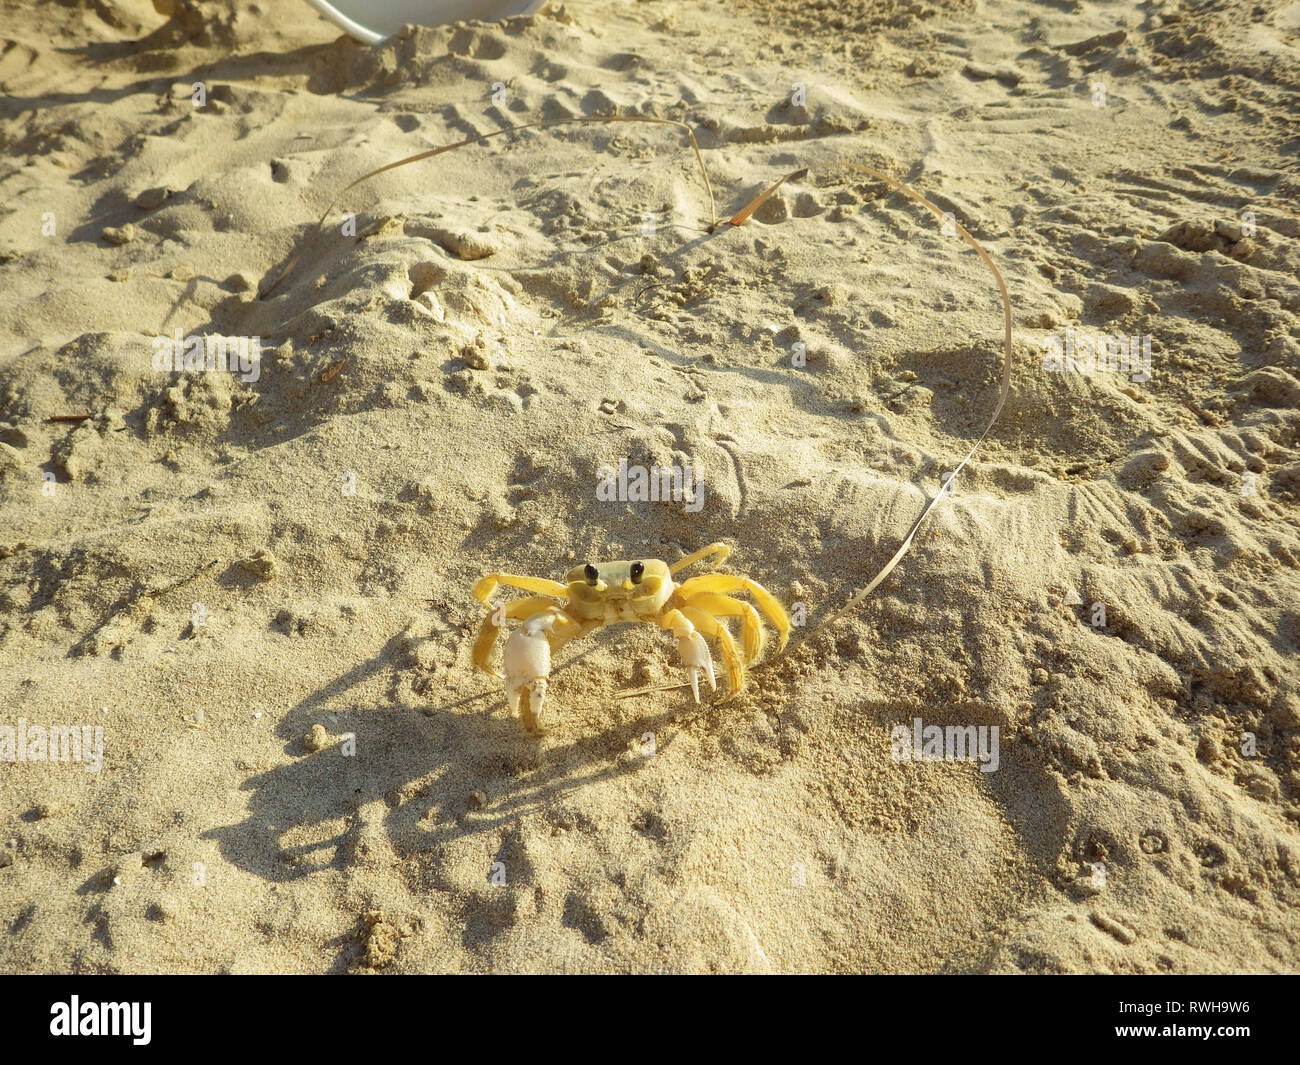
743 215
699 159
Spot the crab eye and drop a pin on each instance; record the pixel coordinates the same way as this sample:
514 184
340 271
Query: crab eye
638 568
591 573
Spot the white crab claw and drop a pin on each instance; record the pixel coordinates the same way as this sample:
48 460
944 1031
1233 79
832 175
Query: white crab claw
696 657
530 709
526 663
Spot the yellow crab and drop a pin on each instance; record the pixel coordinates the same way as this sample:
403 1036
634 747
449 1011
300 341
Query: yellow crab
593 595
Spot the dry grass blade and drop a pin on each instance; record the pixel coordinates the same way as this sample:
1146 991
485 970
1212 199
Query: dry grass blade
695 147
743 215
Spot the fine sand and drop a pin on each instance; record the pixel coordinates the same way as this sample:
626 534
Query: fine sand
259 585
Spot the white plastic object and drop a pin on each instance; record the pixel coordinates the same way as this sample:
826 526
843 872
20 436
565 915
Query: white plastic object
373 21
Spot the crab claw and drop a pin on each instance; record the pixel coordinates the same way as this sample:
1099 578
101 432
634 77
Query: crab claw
526 663
696 657
528 701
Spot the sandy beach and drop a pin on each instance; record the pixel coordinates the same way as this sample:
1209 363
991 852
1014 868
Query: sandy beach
250 474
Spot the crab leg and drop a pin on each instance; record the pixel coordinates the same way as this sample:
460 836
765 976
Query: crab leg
719 548
725 606
487 585
726 582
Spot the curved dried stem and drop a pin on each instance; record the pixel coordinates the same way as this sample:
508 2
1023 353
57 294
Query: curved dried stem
743 215
699 159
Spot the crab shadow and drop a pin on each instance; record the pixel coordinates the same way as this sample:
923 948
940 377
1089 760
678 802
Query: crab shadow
442 772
